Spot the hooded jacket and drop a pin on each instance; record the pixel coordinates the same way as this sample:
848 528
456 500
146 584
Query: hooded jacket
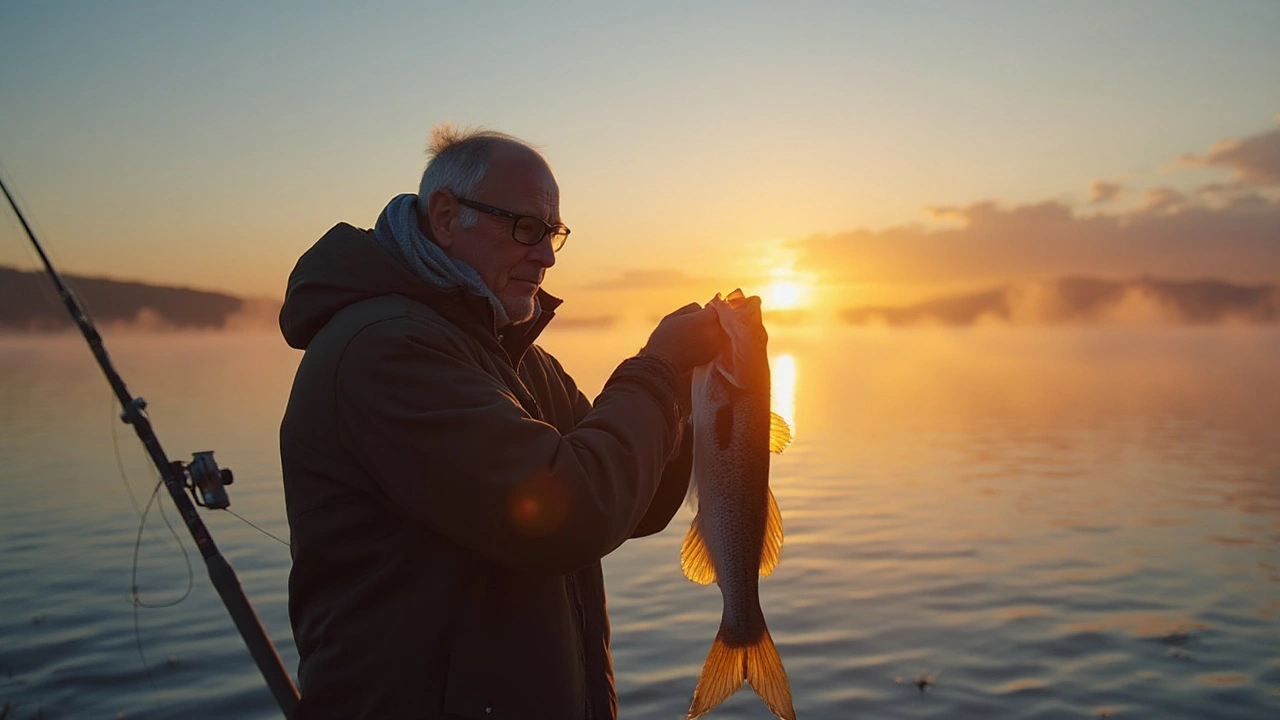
450 494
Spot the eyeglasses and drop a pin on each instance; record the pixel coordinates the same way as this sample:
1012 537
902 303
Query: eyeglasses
527 229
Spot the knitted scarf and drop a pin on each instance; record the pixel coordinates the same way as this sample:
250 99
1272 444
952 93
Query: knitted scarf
398 233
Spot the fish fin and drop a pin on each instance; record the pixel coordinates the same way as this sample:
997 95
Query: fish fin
779 433
695 556
728 664
722 675
691 496
771 553
768 678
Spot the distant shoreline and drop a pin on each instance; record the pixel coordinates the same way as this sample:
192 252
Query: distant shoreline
30 305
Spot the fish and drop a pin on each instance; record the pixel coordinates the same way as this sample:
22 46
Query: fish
736 534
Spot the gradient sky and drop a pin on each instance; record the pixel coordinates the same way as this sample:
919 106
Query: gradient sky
696 144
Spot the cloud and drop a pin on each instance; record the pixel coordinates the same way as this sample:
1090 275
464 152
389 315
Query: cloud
1077 300
1163 200
1256 159
1101 191
1170 235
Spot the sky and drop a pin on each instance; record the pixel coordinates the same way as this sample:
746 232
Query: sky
815 152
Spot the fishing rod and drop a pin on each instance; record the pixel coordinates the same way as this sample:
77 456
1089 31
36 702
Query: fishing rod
201 476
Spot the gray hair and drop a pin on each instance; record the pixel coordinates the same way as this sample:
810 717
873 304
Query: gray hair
459 159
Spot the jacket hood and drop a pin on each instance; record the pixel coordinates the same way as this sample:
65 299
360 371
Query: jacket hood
347 266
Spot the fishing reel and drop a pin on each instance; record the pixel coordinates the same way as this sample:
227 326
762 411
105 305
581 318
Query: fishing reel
206 481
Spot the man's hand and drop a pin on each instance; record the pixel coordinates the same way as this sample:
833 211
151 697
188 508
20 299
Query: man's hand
687 338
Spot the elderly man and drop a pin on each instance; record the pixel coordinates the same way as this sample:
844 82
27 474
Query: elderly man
450 490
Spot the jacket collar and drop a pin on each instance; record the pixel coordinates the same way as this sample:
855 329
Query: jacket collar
516 339
477 317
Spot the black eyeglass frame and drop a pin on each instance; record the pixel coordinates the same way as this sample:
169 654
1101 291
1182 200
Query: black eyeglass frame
547 229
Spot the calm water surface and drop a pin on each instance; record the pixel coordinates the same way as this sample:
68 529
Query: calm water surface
1059 523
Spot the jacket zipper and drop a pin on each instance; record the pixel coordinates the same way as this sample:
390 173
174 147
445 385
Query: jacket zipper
580 617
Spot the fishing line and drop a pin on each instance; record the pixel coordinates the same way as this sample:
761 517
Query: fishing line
135 597
255 527
142 522
191 576
124 477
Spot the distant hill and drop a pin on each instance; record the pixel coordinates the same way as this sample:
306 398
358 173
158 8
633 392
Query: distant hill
29 302
1076 300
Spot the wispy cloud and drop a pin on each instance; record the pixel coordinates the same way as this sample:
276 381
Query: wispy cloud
1255 159
1164 200
1101 191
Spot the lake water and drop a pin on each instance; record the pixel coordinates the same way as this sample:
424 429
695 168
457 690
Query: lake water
1043 523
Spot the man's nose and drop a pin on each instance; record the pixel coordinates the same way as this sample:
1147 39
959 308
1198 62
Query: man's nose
542 254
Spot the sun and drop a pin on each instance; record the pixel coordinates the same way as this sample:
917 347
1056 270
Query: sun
784 295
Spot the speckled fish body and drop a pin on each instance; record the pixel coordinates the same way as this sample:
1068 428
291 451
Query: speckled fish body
736 536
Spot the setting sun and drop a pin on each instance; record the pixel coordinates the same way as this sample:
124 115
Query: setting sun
784 295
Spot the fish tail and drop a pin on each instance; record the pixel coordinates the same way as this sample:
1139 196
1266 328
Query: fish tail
730 663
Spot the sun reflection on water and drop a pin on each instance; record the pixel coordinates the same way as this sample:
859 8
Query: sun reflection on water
783 402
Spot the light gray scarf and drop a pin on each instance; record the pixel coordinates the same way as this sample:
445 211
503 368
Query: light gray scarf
398 233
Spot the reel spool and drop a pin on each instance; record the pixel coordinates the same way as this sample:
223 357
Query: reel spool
206 481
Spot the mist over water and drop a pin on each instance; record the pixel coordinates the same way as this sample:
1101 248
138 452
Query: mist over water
1042 522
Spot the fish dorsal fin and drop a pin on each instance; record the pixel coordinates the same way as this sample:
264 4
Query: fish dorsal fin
772 550
695 556
779 433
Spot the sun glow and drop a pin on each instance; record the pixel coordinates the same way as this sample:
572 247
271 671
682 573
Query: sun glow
784 295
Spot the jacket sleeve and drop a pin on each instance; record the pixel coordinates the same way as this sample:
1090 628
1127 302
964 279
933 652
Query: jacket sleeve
671 490
674 485
453 448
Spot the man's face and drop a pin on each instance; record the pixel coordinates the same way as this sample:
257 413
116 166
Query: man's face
518 181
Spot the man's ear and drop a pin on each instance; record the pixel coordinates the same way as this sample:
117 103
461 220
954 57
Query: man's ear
441 220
